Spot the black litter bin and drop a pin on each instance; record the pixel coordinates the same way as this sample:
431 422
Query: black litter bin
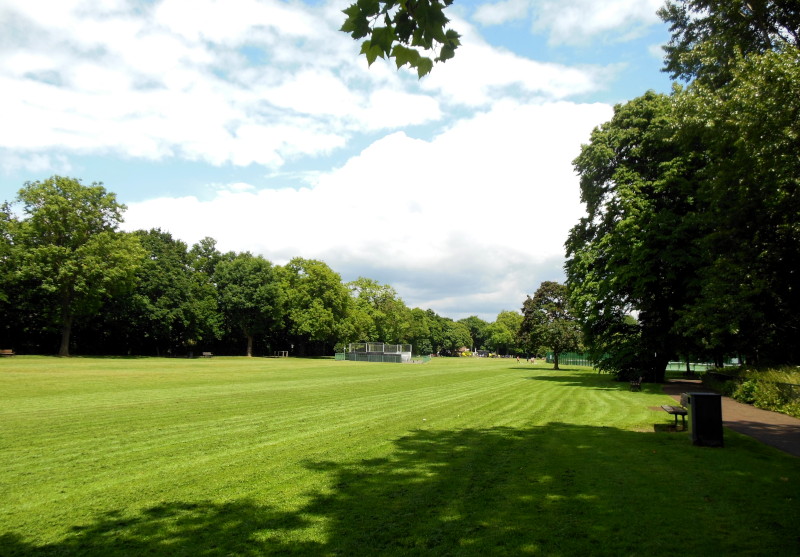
705 418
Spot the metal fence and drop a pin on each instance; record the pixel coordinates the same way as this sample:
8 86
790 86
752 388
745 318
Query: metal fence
570 359
378 347
362 357
693 366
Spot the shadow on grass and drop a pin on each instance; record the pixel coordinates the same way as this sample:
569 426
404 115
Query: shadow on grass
555 489
589 381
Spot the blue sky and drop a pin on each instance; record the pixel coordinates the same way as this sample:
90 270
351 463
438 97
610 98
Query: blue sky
258 124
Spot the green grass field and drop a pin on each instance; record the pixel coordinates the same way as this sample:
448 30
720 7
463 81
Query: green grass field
235 456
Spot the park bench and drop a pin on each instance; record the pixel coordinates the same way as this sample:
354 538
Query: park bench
6 352
676 411
207 354
636 384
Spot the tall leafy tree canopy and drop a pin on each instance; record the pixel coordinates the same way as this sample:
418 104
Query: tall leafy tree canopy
68 246
250 296
748 303
692 200
633 251
318 301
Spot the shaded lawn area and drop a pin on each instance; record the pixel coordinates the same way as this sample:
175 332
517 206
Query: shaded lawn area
453 458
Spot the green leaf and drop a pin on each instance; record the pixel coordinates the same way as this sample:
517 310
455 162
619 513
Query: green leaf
356 23
369 7
424 66
404 55
371 51
383 37
448 51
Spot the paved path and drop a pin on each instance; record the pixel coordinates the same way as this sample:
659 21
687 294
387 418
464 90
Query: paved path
778 430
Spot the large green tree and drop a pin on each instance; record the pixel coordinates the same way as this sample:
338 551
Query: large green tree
548 321
69 248
748 303
251 297
318 304
634 253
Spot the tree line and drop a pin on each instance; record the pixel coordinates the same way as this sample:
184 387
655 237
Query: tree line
72 281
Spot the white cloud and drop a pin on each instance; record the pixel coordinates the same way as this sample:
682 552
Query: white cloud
33 163
237 82
481 74
471 217
265 83
575 21
501 12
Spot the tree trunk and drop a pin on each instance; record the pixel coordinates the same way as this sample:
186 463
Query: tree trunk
249 344
555 360
66 332
659 371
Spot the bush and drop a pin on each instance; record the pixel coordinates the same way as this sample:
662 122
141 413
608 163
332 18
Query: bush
775 389
745 391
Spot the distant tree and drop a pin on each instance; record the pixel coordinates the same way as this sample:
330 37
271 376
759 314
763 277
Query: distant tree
499 338
172 306
204 256
503 334
436 325
318 303
69 248
7 223
548 322
420 331
478 329
389 316
250 296
454 336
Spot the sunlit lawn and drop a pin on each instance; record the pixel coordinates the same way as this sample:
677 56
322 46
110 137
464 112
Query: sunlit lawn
455 457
